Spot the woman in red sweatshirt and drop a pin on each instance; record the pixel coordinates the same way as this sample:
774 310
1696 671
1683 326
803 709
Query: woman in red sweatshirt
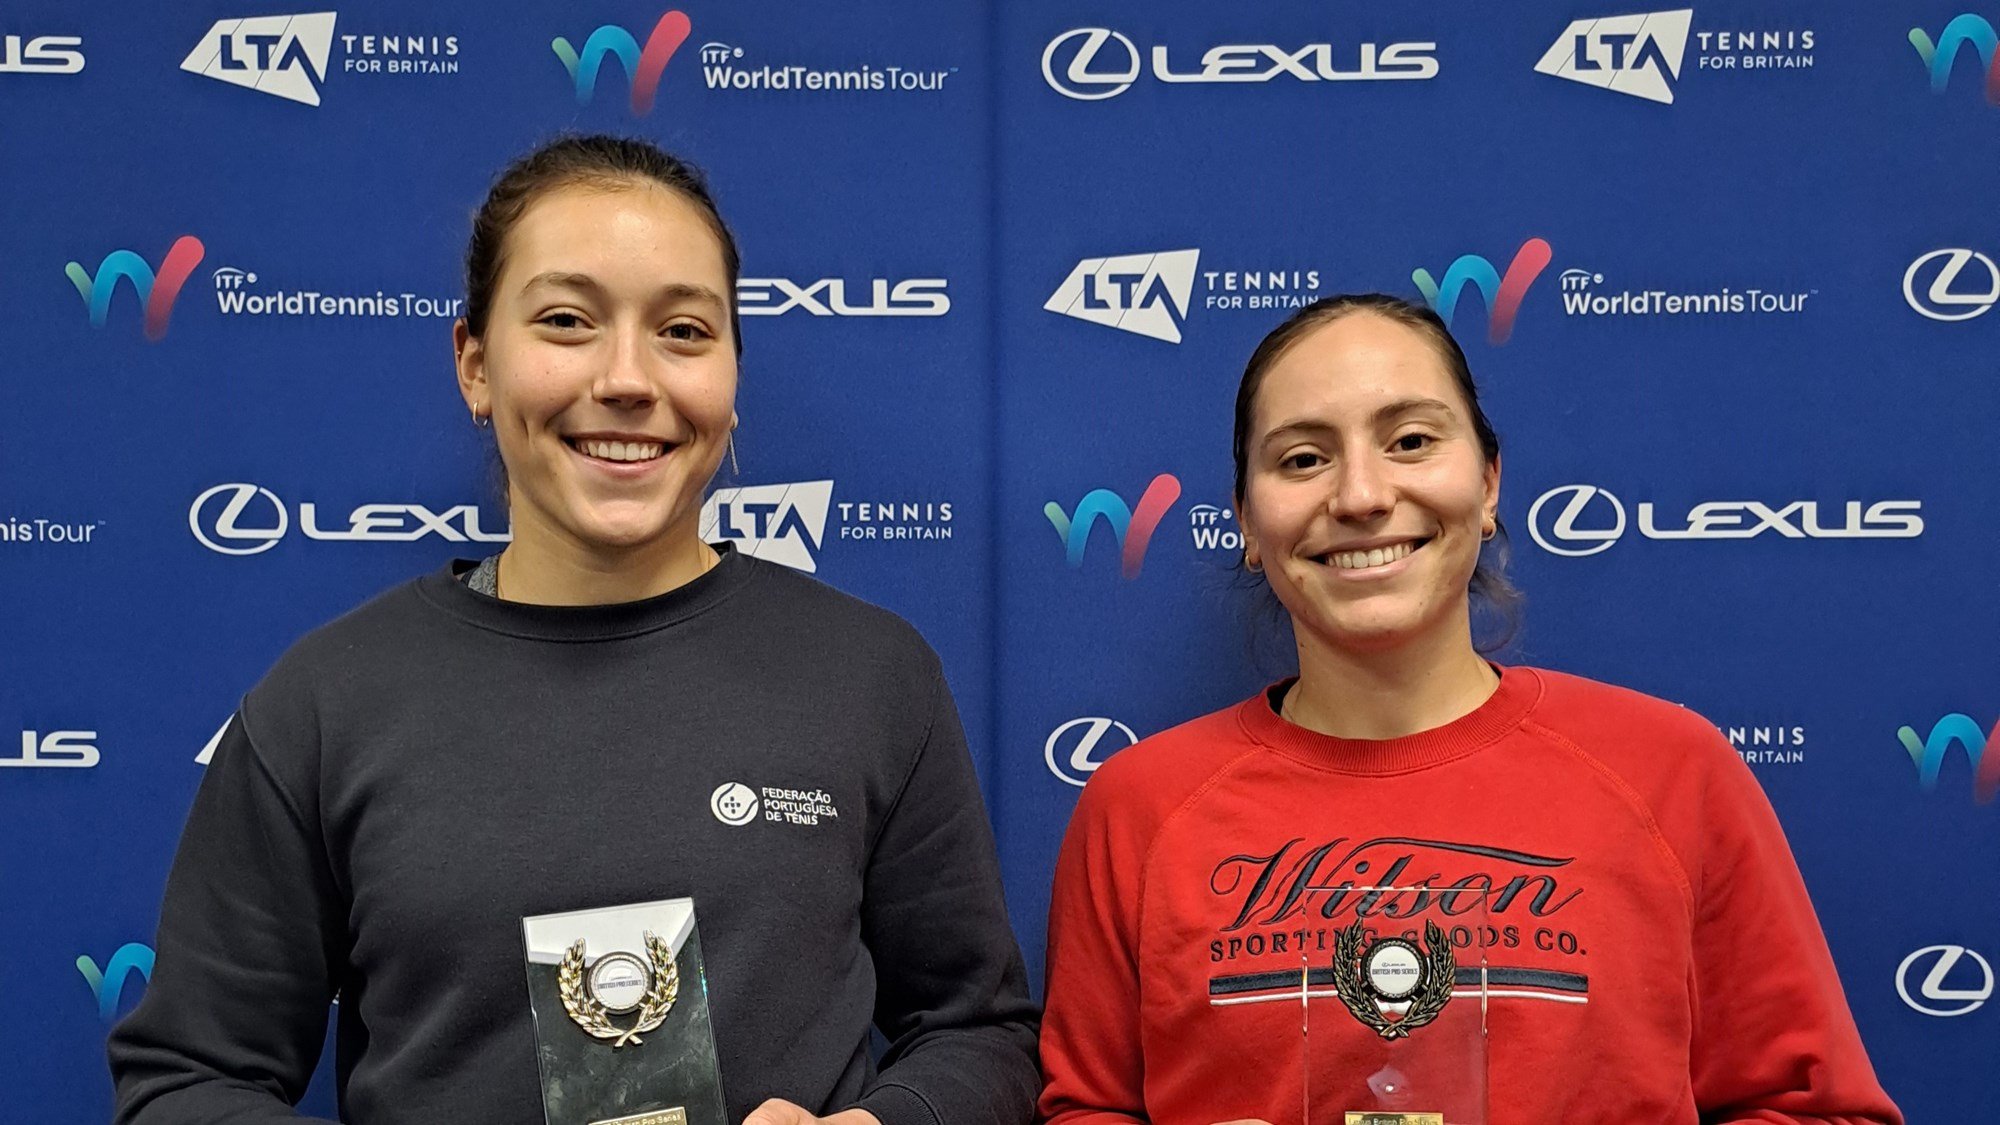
1649 953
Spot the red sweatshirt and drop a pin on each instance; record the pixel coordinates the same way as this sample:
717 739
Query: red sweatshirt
1654 959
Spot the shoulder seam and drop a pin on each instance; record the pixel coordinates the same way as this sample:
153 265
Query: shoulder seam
1632 798
1214 778
277 784
923 747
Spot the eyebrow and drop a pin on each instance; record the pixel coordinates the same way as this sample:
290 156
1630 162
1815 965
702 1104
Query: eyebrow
679 290
1383 413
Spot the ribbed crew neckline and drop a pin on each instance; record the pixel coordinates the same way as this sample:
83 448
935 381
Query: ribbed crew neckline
583 623
1520 689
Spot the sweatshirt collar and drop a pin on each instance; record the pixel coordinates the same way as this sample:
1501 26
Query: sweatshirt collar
582 623
1520 689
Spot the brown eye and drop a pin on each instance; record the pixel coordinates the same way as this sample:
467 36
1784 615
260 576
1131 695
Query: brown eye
686 331
1413 443
563 321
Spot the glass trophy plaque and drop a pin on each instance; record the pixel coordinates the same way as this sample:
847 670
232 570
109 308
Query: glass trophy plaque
1393 1025
621 1016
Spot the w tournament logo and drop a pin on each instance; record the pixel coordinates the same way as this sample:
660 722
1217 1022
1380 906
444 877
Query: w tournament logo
1503 293
157 291
1966 30
642 67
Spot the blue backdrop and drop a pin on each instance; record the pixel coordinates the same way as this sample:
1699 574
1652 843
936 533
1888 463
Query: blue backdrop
1722 272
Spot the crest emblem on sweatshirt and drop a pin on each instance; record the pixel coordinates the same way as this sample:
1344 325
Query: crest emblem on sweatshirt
619 984
1393 986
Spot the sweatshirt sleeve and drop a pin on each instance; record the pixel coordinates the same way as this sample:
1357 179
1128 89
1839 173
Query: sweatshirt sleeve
951 992
1774 1042
1091 1050
234 1017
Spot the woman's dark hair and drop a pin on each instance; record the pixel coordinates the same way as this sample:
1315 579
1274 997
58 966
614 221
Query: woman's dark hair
596 161
1489 580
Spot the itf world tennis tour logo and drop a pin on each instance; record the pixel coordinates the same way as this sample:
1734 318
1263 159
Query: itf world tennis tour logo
1503 292
107 984
1966 30
1982 752
723 67
1131 527
157 290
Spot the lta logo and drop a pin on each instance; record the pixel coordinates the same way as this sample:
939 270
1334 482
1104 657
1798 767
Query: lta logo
156 291
1503 294
642 67
1928 753
1963 30
1131 527
108 983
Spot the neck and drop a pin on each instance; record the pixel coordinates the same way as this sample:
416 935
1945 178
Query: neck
544 566
1389 693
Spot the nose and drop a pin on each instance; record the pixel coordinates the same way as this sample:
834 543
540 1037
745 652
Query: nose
1361 490
626 379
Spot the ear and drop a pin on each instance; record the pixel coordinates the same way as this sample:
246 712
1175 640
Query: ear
1253 556
469 357
1492 480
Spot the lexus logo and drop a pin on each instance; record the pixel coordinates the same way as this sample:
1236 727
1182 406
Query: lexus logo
1948 297
1072 750
1077 79
214 516
1932 989
1557 531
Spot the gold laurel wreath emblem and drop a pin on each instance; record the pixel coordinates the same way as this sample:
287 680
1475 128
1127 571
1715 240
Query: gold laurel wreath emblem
590 1013
1440 968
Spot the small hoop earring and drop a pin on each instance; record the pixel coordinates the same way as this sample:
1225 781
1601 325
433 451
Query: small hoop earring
734 469
1254 568
1486 536
483 421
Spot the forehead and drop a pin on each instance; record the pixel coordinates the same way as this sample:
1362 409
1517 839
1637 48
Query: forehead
636 231
1344 370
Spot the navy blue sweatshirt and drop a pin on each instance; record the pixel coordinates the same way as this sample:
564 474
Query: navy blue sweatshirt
411 780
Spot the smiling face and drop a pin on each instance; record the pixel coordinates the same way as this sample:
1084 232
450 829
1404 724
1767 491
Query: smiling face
606 366
1366 493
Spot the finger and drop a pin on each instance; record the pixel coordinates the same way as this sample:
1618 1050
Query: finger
778 1111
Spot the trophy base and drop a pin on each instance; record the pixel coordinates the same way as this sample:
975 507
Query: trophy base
675 1116
1372 1119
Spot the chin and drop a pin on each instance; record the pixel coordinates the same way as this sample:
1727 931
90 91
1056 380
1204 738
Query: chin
1382 630
621 534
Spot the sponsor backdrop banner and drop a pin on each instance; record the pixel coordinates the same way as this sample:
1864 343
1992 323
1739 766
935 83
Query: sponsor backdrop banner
1724 272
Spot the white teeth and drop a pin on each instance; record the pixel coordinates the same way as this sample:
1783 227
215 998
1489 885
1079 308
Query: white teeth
622 450
1379 556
